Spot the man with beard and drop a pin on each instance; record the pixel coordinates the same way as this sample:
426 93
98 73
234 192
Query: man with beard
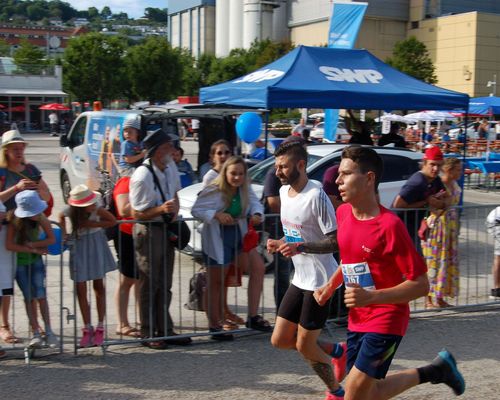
309 225
153 200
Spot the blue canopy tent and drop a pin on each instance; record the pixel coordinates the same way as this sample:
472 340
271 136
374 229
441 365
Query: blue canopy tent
484 105
319 77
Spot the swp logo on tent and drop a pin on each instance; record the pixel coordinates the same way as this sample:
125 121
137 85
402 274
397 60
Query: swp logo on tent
261 75
351 75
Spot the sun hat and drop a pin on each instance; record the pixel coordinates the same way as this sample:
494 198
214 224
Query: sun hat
155 139
132 123
12 136
29 204
433 153
82 196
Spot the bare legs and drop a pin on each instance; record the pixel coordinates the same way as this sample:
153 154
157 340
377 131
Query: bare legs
122 295
83 302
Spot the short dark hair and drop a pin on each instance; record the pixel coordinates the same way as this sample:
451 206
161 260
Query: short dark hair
367 159
293 149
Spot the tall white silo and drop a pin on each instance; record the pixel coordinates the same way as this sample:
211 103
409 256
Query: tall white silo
235 24
222 28
251 22
280 22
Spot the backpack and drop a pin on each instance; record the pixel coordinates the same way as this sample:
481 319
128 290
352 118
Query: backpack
197 288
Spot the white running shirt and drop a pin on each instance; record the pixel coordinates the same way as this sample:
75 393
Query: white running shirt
308 217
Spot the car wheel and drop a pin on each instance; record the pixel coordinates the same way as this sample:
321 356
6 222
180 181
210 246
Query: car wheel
65 186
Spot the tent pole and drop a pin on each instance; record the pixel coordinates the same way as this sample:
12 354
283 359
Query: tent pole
266 132
464 156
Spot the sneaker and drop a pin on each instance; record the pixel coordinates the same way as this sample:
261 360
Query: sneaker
52 341
339 364
98 338
451 376
36 341
86 340
331 396
495 294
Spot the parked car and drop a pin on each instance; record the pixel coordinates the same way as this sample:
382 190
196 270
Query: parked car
399 165
318 132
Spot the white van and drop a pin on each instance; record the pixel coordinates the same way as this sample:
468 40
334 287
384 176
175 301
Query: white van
91 149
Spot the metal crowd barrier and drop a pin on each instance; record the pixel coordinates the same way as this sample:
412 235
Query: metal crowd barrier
475 260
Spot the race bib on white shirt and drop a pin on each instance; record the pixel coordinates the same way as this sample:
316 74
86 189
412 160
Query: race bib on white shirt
292 235
358 273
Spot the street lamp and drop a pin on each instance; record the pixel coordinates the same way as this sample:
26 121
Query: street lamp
493 84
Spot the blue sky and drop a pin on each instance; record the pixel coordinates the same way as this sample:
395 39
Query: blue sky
134 8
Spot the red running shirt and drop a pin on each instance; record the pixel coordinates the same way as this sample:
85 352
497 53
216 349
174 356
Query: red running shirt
384 245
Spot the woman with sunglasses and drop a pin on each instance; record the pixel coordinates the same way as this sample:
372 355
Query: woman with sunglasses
219 153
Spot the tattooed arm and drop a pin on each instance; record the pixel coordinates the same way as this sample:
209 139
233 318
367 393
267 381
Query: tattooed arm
325 246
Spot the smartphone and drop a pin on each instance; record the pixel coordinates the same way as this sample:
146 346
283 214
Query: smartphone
36 178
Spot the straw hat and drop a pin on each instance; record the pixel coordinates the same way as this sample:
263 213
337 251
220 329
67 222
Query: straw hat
29 204
82 196
12 136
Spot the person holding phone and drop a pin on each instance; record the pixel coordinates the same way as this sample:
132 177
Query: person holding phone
16 175
383 272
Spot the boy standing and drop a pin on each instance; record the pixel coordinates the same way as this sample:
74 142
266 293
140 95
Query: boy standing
383 272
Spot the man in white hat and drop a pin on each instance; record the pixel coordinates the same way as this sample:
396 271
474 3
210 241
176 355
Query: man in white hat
153 199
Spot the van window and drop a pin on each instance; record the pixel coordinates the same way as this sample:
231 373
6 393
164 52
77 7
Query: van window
77 135
318 173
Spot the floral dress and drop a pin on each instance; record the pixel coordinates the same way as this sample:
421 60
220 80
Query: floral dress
441 248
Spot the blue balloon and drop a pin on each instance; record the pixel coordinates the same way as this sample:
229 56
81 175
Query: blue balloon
248 126
55 249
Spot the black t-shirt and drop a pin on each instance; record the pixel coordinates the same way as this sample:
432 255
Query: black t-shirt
417 188
392 138
272 187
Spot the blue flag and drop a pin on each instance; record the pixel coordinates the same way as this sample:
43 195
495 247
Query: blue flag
344 27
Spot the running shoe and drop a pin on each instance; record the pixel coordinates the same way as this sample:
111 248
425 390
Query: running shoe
450 375
339 364
495 294
36 341
98 338
86 340
52 341
331 396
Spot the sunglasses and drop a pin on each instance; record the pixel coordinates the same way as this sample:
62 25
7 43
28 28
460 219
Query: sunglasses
222 153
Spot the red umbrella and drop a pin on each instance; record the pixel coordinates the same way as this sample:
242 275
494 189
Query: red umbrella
16 109
54 106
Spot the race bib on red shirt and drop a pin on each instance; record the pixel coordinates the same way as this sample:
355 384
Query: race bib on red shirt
358 273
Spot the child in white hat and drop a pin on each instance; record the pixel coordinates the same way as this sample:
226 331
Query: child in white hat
23 237
90 256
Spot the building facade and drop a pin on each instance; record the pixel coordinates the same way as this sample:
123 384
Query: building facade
462 36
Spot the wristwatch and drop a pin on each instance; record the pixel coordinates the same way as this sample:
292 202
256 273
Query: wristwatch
300 248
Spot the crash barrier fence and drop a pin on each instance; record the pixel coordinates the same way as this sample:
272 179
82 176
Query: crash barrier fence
475 255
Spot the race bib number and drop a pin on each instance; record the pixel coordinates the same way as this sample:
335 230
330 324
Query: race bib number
358 273
292 235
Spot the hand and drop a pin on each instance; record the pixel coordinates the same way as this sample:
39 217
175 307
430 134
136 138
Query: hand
26 184
256 219
356 296
170 207
272 245
224 218
323 294
289 249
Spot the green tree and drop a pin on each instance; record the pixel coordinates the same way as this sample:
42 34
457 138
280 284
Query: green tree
4 48
106 12
94 67
156 14
93 13
155 70
412 57
29 58
37 11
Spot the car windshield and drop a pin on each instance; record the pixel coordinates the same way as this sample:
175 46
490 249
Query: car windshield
258 172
